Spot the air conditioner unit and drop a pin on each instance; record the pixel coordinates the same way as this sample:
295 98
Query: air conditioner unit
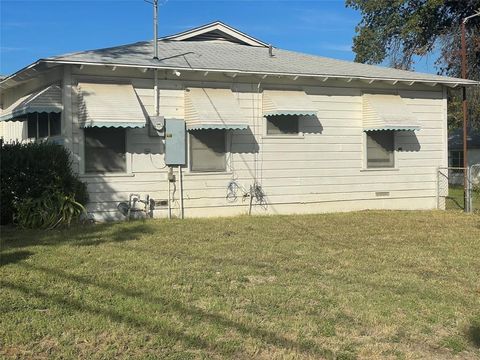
156 126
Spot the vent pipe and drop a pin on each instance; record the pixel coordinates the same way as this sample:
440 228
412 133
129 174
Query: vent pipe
270 50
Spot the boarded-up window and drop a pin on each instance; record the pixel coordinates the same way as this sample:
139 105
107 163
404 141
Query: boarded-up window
282 125
104 150
380 149
207 150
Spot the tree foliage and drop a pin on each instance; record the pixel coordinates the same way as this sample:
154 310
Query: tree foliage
398 31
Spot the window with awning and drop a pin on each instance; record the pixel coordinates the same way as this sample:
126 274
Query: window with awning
213 109
387 112
45 100
283 102
109 105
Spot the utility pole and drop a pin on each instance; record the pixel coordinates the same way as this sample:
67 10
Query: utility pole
465 109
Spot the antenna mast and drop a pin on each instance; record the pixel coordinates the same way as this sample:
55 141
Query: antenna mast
155 29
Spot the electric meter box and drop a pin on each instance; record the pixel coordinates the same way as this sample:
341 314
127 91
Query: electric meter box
175 142
156 126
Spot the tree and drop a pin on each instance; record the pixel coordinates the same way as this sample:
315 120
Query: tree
397 31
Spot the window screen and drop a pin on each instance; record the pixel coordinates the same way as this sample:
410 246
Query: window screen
456 158
380 149
32 125
55 124
207 150
42 125
282 125
104 150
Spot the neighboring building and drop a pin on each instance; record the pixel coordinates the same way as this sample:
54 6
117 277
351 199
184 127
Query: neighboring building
455 155
306 133
455 148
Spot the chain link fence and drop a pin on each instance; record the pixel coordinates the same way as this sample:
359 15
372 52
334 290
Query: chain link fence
474 181
450 188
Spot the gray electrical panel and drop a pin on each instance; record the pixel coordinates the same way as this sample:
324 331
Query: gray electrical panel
175 142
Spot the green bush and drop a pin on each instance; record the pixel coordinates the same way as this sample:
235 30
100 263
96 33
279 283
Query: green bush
29 172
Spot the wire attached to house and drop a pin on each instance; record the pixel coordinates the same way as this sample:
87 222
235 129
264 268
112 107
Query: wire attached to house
233 188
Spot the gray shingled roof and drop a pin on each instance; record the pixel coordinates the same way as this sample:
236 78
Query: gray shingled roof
226 56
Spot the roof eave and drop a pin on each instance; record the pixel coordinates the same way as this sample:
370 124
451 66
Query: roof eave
348 78
7 82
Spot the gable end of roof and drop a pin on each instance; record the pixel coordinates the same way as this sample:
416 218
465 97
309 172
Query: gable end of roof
216 31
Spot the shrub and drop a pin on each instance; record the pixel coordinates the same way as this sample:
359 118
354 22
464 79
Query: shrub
51 210
29 172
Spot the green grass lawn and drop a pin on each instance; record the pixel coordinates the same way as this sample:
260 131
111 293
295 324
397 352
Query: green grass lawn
455 199
356 285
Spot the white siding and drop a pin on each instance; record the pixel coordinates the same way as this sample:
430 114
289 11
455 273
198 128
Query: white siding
320 170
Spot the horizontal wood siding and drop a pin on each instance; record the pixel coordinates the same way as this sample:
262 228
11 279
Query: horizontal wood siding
322 169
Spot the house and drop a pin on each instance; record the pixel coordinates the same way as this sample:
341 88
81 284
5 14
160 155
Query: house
455 155
221 124
455 148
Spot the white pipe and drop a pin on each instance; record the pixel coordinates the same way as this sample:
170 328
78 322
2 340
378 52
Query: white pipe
156 92
180 180
169 199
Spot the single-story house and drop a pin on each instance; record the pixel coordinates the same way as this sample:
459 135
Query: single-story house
221 123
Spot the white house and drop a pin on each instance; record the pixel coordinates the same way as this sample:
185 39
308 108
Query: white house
223 124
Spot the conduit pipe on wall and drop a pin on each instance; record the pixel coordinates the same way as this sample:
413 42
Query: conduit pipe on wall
180 181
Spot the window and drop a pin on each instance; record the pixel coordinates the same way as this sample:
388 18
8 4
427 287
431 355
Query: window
207 150
105 150
55 120
42 125
282 125
380 149
456 159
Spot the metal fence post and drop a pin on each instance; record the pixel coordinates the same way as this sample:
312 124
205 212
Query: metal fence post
469 204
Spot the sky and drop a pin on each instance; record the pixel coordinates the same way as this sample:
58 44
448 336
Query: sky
30 30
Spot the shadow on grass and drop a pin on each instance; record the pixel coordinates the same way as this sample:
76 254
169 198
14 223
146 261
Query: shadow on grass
170 304
473 333
14 257
87 235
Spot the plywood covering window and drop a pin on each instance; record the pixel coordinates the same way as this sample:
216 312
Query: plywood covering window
282 125
42 125
207 150
105 150
380 149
